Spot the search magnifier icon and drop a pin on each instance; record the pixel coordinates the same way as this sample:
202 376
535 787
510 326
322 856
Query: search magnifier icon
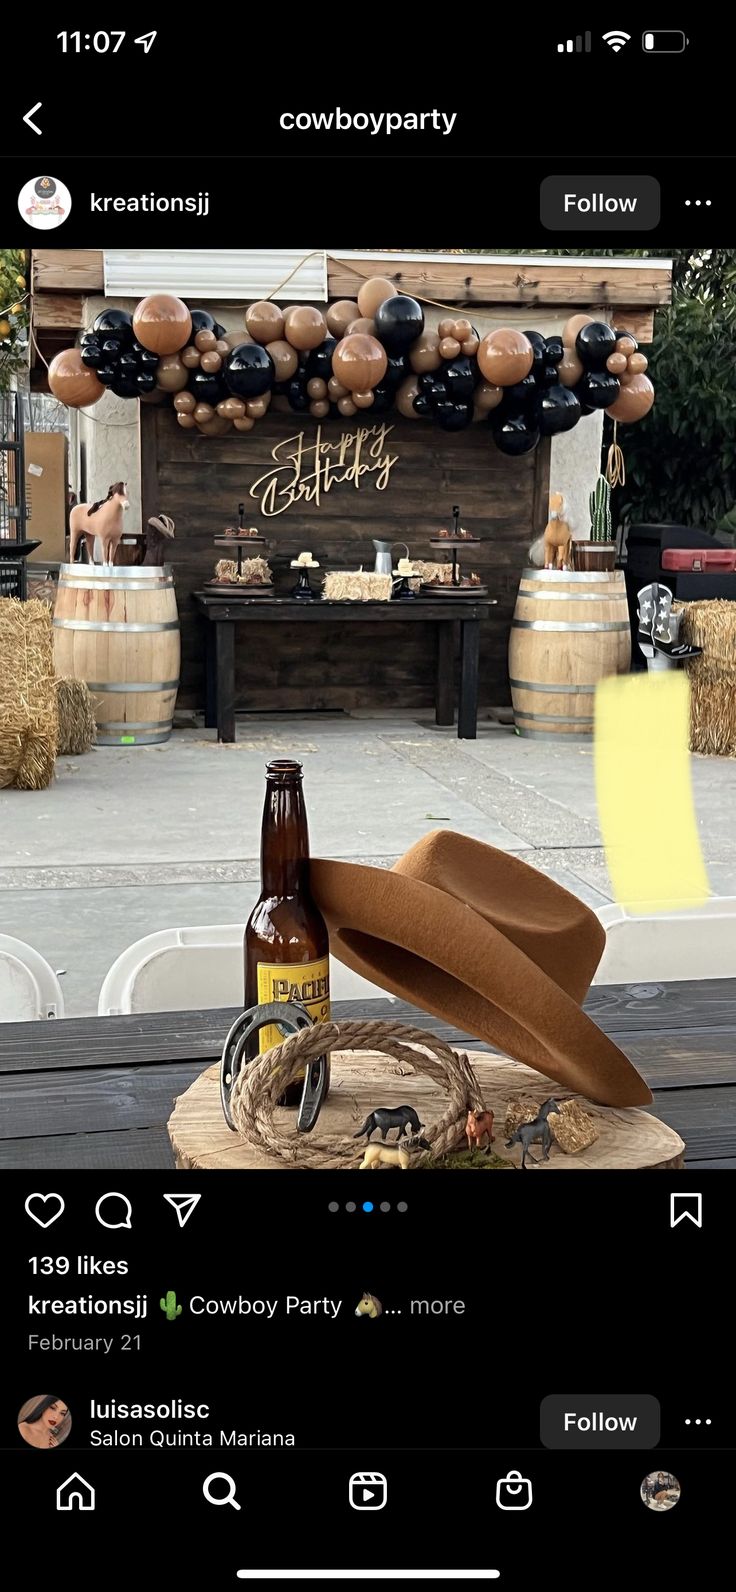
229 1496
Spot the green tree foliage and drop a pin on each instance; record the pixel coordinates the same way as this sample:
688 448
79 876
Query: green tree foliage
14 317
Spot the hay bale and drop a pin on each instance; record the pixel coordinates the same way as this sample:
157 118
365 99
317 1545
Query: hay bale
357 586
521 1109
712 626
433 573
77 727
254 572
28 713
573 1128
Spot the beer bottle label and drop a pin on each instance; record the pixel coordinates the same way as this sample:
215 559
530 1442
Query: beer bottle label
305 982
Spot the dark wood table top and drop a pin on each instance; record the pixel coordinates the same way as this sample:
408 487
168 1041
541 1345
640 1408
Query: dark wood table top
230 606
98 1091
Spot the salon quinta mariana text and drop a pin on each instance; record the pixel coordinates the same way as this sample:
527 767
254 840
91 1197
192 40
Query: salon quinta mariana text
157 1437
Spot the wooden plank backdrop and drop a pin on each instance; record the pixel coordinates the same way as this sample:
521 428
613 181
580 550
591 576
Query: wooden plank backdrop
200 480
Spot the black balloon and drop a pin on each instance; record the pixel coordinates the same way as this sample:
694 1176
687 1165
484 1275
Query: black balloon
297 394
547 376
207 388
124 386
128 365
399 322
145 381
620 331
202 321
516 435
114 323
459 376
220 331
112 346
559 410
555 350
249 370
422 406
436 391
318 363
454 416
427 380
598 389
383 397
107 373
540 349
397 368
92 354
520 395
147 360
594 343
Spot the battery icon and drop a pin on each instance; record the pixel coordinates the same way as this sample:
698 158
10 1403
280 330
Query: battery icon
664 41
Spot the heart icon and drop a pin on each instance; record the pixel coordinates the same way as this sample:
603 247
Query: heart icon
39 1200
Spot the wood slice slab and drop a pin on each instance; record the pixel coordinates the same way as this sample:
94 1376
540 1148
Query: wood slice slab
629 1140
429 589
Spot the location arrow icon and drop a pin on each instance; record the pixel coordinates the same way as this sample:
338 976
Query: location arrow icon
183 1204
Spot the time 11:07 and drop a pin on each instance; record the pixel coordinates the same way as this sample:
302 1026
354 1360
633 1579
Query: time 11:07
101 42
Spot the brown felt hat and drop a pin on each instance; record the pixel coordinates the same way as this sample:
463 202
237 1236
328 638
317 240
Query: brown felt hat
487 943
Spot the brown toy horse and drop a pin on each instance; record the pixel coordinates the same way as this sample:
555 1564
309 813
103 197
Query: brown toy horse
478 1127
557 535
103 519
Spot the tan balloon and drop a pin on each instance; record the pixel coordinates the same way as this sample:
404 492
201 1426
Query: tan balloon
634 401
231 408
281 404
264 322
364 323
336 389
363 400
463 329
346 406
486 396
211 361
72 382
638 363
425 354
340 315
573 326
188 422
185 403
222 347
470 345
205 340
156 396
190 357
304 327
317 388
256 408
234 339
449 347
374 292
626 345
162 323
285 359
446 327
216 427
505 356
203 412
616 363
246 424
171 374
570 368
405 395
319 408
359 362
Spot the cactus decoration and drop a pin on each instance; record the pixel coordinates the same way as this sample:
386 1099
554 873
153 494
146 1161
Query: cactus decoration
601 525
170 1307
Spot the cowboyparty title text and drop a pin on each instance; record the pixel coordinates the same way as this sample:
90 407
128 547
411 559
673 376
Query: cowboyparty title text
372 122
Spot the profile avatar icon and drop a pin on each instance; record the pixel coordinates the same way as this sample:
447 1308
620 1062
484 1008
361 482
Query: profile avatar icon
44 1421
45 187
660 1490
44 202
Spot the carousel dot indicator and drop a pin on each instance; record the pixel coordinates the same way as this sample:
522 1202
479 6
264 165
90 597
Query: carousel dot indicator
367 1205
402 1206
333 1206
350 1205
385 1205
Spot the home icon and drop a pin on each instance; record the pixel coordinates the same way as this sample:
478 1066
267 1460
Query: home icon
75 1493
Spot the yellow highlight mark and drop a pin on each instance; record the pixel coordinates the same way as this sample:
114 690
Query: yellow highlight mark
644 792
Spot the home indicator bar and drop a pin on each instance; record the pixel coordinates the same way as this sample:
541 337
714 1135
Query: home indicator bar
369 1575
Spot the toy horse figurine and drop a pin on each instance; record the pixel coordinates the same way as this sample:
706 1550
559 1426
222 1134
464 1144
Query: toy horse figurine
528 1133
369 1306
557 535
401 1155
103 519
385 1118
478 1127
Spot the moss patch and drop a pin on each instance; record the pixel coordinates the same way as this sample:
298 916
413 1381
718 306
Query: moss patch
467 1161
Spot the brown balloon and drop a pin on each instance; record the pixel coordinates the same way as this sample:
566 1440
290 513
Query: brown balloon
346 406
162 323
463 329
505 356
256 408
626 345
185 403
190 357
222 347
203 412
234 339
363 400
264 322
486 396
449 347
156 396
470 346
425 354
281 404
446 327
634 401
216 427
374 292
285 359
73 383
188 422
231 408
573 326
317 388
211 361
336 389
405 395
245 424
359 362
204 341
364 323
570 368
171 374
319 408
339 316
637 363
616 363
304 327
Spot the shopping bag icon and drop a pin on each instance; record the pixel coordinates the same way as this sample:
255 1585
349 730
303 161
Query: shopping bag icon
513 1491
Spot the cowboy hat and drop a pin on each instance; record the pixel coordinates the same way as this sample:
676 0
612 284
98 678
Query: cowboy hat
487 943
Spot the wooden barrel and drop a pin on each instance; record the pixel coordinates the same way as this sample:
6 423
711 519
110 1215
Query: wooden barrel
118 629
569 631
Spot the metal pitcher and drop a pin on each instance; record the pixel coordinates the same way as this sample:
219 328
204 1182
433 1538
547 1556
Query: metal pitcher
384 560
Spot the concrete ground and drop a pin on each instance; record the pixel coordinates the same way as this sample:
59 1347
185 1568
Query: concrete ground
130 840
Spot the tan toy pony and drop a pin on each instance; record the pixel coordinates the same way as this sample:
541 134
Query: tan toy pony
103 519
557 535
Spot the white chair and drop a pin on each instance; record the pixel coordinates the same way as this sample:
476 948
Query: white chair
699 942
29 988
179 970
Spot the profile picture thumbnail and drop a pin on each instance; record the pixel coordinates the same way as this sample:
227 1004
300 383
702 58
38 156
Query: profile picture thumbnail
44 1421
660 1490
44 202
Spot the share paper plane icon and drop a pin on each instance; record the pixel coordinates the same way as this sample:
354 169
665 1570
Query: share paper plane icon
183 1204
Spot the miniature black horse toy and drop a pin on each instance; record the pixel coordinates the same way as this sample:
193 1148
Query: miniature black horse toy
527 1134
401 1117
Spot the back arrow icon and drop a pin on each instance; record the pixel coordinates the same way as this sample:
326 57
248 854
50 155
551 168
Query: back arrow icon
29 114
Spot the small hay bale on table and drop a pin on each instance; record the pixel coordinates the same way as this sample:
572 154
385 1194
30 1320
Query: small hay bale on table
712 626
28 713
77 727
360 585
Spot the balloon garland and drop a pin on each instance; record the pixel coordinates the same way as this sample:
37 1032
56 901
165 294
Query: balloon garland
369 355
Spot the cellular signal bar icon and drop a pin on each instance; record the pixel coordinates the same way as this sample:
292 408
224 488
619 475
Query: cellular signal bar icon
581 43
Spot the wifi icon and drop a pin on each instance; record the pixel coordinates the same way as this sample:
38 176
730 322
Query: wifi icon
616 39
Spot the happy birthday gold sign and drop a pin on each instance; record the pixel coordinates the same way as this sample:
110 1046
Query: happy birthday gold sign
305 471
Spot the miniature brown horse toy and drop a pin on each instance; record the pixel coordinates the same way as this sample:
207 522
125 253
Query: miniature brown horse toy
478 1127
103 519
557 535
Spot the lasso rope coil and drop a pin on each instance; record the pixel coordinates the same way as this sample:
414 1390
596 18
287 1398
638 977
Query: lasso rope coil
259 1086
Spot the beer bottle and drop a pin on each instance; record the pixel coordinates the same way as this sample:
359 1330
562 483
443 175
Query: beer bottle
286 943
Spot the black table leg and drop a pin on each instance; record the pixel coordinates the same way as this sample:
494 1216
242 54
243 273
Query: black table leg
444 690
225 646
210 676
467 717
